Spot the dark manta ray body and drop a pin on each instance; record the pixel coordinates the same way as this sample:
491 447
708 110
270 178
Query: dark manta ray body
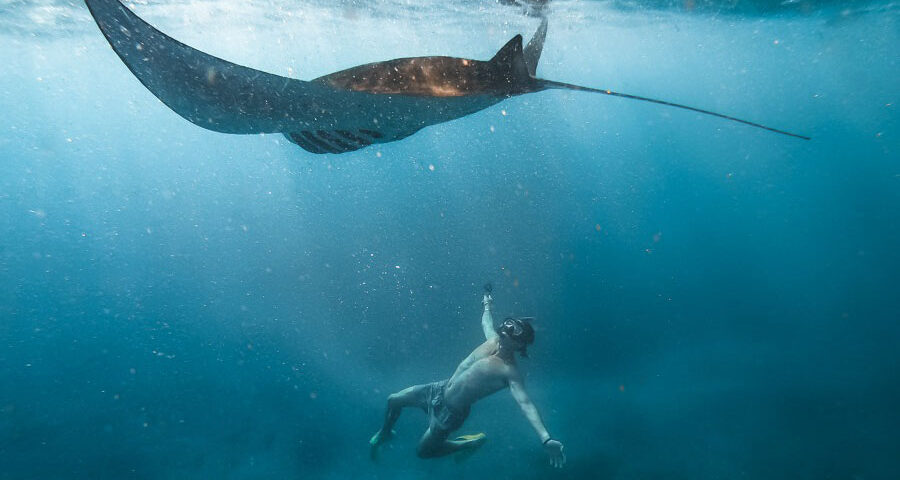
340 112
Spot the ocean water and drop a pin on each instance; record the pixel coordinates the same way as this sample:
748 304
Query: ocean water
713 301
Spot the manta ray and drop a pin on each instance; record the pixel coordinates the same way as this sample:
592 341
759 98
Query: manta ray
340 112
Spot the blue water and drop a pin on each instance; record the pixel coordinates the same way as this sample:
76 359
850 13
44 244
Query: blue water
713 301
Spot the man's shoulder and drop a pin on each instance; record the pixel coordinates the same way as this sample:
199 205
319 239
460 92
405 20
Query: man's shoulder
488 345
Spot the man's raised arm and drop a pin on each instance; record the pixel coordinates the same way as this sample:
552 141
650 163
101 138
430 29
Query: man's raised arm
487 321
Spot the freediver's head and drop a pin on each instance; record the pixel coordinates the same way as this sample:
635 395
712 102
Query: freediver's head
519 332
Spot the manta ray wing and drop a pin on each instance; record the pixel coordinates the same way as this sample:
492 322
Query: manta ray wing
208 91
534 48
225 97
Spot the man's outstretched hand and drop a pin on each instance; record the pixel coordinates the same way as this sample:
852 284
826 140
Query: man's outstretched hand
487 300
554 450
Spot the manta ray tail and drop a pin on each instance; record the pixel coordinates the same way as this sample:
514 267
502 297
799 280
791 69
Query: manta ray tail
534 48
568 86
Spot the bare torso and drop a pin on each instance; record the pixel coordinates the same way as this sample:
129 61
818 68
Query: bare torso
482 373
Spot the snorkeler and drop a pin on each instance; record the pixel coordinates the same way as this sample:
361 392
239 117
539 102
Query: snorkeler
488 369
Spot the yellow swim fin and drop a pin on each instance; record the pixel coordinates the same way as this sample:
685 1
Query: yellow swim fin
469 444
471 438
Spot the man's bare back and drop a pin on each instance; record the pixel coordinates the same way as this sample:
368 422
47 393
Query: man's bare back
490 367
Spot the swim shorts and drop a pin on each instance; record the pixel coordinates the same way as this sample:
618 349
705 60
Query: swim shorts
440 416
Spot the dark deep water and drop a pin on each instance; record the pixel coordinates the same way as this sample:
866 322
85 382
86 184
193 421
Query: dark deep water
713 301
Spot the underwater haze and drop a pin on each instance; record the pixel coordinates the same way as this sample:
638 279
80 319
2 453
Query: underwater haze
712 300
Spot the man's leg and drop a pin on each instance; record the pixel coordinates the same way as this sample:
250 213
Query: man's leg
396 402
435 444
